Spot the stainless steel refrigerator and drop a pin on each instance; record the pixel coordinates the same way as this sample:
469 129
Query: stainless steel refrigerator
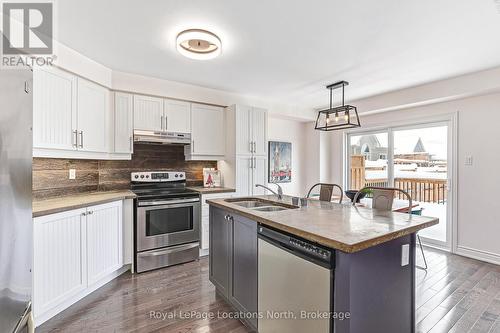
16 224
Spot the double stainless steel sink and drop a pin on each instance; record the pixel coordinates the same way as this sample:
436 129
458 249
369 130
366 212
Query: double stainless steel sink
261 205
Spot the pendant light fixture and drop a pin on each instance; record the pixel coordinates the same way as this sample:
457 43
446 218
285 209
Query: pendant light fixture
340 117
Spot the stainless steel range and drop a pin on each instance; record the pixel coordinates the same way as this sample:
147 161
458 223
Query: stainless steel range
167 220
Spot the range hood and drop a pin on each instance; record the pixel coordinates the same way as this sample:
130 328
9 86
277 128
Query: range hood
162 137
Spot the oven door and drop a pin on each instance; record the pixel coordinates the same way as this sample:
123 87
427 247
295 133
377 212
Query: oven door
167 223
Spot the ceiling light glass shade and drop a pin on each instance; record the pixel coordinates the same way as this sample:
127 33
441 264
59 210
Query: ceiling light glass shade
198 44
338 118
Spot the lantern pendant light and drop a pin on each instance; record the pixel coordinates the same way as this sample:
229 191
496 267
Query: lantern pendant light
340 117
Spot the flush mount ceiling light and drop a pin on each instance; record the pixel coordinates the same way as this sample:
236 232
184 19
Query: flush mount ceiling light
198 44
340 117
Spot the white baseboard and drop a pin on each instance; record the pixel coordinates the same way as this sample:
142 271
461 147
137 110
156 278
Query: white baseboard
203 252
42 318
486 256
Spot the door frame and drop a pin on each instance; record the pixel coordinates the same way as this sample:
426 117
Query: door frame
449 119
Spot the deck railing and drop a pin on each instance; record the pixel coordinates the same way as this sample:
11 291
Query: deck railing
420 189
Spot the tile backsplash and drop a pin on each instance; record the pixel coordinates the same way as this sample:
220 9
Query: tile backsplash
51 176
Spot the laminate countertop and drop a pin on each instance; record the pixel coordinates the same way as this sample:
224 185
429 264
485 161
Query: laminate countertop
211 190
339 226
64 203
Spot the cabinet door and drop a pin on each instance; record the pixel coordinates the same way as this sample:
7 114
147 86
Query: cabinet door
54 109
244 130
207 130
177 116
244 172
124 123
104 240
259 174
93 117
259 131
243 283
148 113
59 262
219 250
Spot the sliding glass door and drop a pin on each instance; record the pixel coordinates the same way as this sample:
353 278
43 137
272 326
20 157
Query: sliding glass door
414 159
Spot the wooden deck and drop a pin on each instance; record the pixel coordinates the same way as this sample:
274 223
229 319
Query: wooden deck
456 295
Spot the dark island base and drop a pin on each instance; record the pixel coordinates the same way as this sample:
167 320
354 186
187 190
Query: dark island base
371 285
375 289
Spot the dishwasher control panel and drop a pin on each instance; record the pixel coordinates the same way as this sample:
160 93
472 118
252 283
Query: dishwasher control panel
309 248
304 248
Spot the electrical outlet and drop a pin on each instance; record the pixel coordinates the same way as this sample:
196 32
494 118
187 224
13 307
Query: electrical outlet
469 160
72 173
405 255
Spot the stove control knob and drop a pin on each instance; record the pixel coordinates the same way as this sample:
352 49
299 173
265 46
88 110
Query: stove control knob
136 176
180 175
147 176
176 175
142 176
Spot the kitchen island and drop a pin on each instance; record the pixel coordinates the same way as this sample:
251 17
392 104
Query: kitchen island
354 264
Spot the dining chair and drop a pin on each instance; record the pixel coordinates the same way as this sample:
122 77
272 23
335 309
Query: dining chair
326 191
383 198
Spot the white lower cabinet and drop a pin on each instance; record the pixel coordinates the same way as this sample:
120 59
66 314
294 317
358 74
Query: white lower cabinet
205 218
59 262
104 241
75 252
250 170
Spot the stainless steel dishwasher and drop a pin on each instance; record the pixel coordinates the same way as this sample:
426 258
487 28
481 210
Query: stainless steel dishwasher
295 282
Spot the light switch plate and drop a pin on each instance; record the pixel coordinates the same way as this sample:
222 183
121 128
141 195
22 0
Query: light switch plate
405 255
469 160
72 173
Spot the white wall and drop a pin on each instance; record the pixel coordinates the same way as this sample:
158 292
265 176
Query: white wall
478 135
281 129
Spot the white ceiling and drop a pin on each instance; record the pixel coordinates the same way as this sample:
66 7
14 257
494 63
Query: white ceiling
288 50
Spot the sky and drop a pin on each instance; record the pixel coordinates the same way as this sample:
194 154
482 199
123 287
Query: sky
434 140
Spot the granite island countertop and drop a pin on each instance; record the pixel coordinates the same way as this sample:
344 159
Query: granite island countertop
339 226
42 207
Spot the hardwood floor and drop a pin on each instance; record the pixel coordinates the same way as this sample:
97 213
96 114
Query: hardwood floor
456 294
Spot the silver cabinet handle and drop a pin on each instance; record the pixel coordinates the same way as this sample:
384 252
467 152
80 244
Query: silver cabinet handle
131 143
74 139
255 162
166 122
192 146
251 146
161 122
254 147
251 163
91 212
81 139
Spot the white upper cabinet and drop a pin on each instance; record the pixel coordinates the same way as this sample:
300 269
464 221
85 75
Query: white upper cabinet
259 131
251 130
177 116
148 113
124 123
54 109
208 139
93 117
244 138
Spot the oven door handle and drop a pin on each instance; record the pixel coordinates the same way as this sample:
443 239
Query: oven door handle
167 202
170 250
